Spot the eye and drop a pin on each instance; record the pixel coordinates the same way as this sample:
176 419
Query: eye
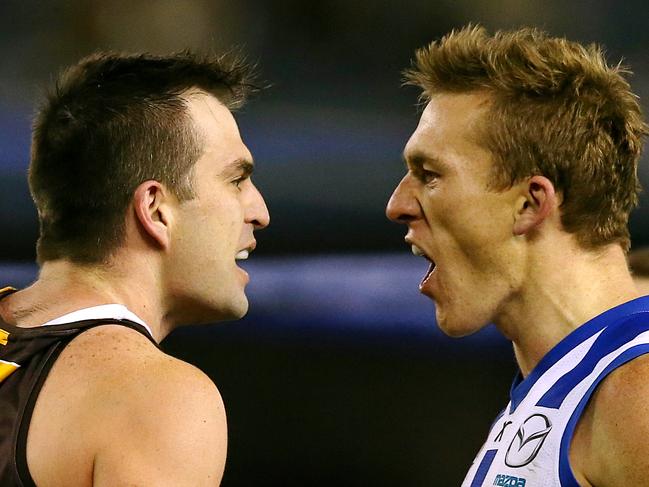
237 182
426 176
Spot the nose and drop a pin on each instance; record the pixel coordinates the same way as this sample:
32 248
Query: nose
403 206
257 211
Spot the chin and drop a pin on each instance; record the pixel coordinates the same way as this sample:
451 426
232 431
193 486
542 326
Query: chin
456 327
234 310
240 311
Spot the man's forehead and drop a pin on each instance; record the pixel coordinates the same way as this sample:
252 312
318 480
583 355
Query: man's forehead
465 109
211 119
448 117
202 105
218 133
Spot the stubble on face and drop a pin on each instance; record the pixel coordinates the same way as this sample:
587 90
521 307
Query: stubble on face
205 282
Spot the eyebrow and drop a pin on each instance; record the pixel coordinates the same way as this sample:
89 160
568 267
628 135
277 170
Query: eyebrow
245 166
419 158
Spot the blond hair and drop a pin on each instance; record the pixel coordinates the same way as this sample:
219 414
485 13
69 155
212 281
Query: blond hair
557 110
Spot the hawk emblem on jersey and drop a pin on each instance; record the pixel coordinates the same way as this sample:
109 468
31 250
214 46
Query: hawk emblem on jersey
4 337
528 441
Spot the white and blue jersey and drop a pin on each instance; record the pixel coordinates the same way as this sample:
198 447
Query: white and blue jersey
528 443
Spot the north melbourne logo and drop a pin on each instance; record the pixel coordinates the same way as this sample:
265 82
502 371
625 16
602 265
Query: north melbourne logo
528 441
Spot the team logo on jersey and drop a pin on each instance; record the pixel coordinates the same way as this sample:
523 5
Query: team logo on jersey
528 441
4 337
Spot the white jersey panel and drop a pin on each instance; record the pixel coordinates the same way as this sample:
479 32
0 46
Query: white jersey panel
528 443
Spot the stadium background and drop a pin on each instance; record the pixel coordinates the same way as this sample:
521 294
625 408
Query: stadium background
338 376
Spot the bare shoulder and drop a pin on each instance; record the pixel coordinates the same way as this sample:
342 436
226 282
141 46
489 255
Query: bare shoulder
132 413
610 444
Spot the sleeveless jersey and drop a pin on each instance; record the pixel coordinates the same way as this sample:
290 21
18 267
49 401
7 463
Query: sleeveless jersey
26 357
529 441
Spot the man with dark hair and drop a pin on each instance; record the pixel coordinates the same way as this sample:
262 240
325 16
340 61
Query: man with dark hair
520 178
143 190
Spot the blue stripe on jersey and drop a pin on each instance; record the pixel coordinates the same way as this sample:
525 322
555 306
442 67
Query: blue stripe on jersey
520 388
611 339
481 473
566 477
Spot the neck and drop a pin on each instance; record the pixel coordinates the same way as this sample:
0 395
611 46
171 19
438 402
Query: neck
562 291
86 286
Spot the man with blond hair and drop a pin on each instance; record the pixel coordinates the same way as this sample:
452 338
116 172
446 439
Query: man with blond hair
146 206
520 178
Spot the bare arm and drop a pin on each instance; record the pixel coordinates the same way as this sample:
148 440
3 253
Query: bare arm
611 444
167 429
116 411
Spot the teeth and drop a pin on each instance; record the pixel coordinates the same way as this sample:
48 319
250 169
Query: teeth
417 251
242 255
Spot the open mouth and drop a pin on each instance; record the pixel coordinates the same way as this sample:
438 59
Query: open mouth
420 253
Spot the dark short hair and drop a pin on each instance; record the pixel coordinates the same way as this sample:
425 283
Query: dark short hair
113 121
558 110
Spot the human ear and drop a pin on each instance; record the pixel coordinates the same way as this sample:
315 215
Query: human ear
151 211
538 201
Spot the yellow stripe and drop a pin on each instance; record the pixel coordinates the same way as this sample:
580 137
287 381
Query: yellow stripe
5 334
6 290
6 369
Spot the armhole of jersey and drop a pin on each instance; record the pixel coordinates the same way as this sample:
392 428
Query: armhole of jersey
20 454
566 476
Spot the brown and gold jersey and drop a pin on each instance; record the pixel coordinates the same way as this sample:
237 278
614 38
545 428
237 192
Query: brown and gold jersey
26 357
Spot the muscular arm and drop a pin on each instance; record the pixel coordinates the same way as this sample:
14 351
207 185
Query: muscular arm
611 443
170 432
126 414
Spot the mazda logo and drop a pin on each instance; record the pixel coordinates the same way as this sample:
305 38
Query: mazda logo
528 441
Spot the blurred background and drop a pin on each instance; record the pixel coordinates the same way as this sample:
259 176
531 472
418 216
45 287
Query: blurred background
338 375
